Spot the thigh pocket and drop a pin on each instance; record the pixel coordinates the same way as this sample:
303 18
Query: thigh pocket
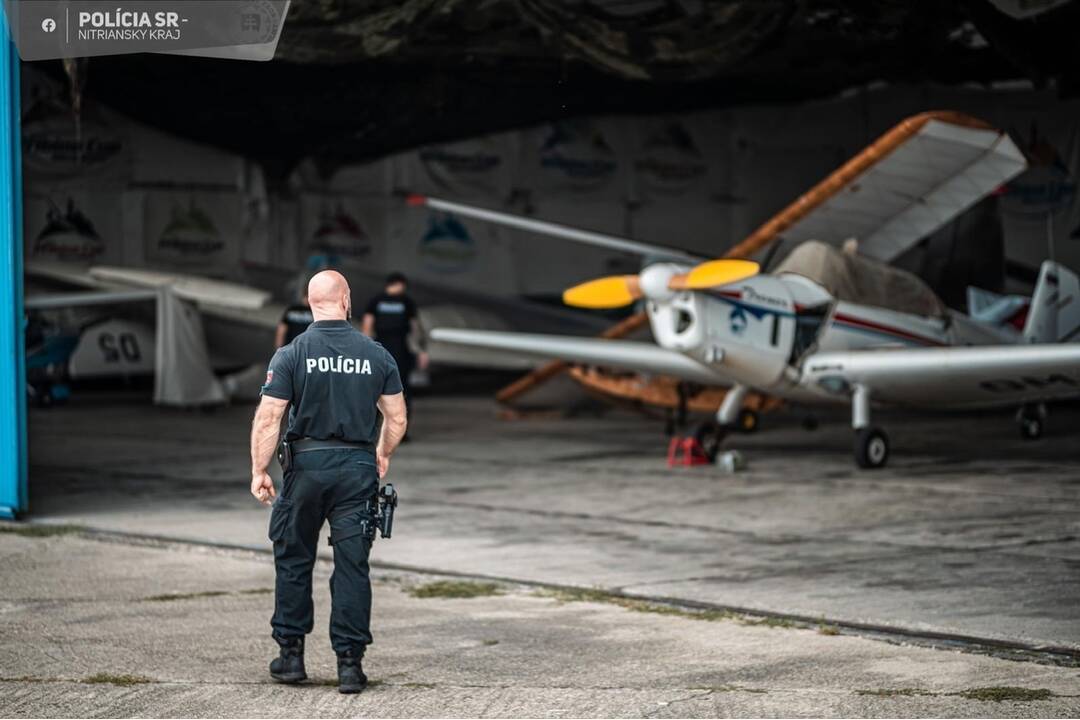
280 517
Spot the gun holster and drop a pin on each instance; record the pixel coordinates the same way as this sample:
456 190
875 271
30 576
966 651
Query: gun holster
381 507
284 456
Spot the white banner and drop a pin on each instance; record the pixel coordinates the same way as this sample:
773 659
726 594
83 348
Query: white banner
57 145
678 157
342 228
481 168
201 230
445 249
73 226
581 158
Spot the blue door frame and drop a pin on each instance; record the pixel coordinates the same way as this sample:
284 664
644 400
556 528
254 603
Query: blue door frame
13 468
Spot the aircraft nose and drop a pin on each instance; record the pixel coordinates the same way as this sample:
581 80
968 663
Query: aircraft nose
654 281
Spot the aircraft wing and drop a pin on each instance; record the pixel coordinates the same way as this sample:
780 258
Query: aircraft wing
981 375
908 183
645 357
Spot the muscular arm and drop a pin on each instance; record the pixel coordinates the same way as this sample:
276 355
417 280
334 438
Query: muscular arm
368 325
265 429
392 408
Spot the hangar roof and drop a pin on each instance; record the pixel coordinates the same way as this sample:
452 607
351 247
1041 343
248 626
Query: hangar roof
358 80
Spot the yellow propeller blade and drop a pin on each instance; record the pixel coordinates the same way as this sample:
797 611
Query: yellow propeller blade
609 292
715 273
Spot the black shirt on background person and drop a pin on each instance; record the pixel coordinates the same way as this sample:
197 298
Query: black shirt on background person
391 317
295 320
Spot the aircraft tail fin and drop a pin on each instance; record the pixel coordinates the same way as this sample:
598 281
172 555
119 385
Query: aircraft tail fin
1055 306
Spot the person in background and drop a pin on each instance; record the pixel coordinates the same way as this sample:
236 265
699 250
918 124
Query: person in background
294 321
391 318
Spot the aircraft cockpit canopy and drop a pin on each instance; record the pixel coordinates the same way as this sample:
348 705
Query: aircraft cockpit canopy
859 279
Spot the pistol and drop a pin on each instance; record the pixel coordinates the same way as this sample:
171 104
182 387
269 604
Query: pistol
387 504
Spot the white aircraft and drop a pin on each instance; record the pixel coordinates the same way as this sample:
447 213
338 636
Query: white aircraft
829 325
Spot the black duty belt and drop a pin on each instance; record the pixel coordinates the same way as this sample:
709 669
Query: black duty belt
309 444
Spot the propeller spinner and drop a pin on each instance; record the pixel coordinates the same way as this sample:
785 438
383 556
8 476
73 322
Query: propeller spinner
620 290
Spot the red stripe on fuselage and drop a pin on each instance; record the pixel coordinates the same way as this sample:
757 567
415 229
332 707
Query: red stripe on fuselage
898 332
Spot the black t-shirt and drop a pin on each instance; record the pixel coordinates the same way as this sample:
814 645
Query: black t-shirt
296 318
393 320
332 375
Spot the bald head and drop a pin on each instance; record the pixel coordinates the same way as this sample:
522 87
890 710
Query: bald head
328 296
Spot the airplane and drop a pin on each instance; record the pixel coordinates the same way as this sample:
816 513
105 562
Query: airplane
838 325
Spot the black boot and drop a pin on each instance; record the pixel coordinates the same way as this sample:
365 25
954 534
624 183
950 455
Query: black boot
351 677
289 666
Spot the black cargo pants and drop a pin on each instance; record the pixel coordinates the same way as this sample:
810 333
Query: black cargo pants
336 485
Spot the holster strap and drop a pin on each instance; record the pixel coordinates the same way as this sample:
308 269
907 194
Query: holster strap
363 528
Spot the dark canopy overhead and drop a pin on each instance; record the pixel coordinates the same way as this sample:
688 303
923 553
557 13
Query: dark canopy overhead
359 79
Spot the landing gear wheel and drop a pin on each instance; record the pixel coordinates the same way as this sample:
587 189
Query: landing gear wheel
871 448
1031 428
1030 421
710 435
747 421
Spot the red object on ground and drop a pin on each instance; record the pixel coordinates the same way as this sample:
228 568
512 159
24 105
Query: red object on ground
687 452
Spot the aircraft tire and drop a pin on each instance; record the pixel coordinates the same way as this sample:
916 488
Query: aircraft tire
710 434
1031 428
871 448
748 421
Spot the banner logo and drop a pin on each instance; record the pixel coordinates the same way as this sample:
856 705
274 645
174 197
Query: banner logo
51 143
669 160
339 234
190 234
68 235
578 152
446 246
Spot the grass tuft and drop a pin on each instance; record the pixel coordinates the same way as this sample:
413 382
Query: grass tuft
489 643
1001 694
732 689
455 589
767 621
894 692
170 597
38 531
595 595
985 694
121 680
826 629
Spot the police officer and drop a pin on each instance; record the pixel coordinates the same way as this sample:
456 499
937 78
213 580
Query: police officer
294 321
391 317
335 381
